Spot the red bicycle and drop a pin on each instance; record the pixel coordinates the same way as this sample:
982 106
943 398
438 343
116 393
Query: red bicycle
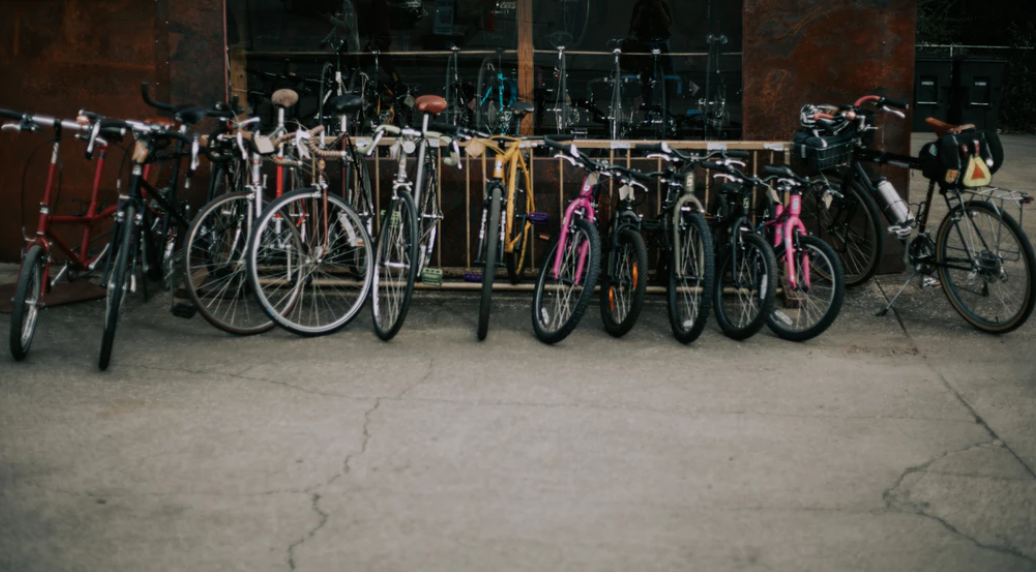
34 277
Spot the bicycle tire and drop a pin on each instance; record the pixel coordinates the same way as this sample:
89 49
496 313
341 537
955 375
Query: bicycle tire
221 277
306 254
761 271
954 290
489 261
697 273
851 226
116 287
778 321
618 316
429 215
25 308
544 332
399 236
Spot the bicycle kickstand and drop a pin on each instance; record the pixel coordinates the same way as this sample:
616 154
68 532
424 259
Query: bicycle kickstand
886 309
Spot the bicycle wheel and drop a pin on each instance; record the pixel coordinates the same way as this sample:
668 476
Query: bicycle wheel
746 271
117 285
691 277
310 262
25 308
395 266
491 234
360 196
215 267
561 299
987 267
850 224
807 311
430 214
487 97
624 285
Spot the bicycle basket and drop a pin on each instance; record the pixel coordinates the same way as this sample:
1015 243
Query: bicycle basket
817 153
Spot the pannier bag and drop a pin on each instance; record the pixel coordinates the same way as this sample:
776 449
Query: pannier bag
818 152
966 159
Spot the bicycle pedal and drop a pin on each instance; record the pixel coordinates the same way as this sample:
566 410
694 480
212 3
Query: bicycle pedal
538 218
432 277
543 236
475 277
929 282
184 310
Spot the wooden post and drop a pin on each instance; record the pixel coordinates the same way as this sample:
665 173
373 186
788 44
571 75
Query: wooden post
526 57
238 76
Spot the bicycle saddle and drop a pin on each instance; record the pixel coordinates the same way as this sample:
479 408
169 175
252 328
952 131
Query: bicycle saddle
522 107
432 104
941 128
190 114
285 98
778 170
343 104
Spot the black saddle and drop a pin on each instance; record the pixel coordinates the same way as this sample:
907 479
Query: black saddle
778 170
343 104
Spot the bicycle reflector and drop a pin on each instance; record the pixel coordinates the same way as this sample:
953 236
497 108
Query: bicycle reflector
1028 200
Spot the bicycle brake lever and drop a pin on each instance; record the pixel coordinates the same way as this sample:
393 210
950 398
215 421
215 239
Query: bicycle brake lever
895 112
734 162
661 156
10 127
728 177
568 158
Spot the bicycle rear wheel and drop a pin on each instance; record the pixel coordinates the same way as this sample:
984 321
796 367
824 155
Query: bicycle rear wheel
395 266
987 267
560 300
25 308
489 261
310 262
851 224
624 286
430 214
809 309
747 272
692 277
117 284
216 271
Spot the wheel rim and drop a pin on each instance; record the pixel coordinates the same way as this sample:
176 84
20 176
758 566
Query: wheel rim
561 292
32 307
620 292
690 275
805 307
393 267
312 266
217 270
996 288
846 226
748 280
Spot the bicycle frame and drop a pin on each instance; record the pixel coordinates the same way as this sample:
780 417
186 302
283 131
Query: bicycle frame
583 206
46 238
786 226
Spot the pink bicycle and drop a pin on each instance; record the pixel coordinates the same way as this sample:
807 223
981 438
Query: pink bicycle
812 281
568 278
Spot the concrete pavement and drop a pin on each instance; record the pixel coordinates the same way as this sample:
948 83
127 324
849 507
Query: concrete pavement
906 442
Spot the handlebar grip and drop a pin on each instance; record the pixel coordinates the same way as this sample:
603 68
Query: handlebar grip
550 142
147 99
644 178
715 166
737 154
772 171
114 124
562 137
896 103
8 114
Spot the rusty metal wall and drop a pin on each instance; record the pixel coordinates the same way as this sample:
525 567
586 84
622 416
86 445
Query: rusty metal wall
59 56
829 51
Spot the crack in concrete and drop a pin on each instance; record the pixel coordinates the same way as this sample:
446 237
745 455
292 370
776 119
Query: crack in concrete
324 517
424 378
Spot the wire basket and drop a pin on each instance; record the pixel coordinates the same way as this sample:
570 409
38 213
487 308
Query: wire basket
823 152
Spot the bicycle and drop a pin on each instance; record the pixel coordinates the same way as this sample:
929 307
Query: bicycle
574 261
508 213
309 256
746 266
34 277
494 94
811 278
407 238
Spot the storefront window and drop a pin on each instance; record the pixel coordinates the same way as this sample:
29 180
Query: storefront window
468 50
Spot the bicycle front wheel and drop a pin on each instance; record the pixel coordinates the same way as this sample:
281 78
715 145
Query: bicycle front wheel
624 285
215 266
807 310
489 261
692 277
395 266
561 297
25 308
987 267
310 262
851 224
745 286
117 284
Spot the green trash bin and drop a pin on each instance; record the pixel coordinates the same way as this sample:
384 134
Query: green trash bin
978 91
933 89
